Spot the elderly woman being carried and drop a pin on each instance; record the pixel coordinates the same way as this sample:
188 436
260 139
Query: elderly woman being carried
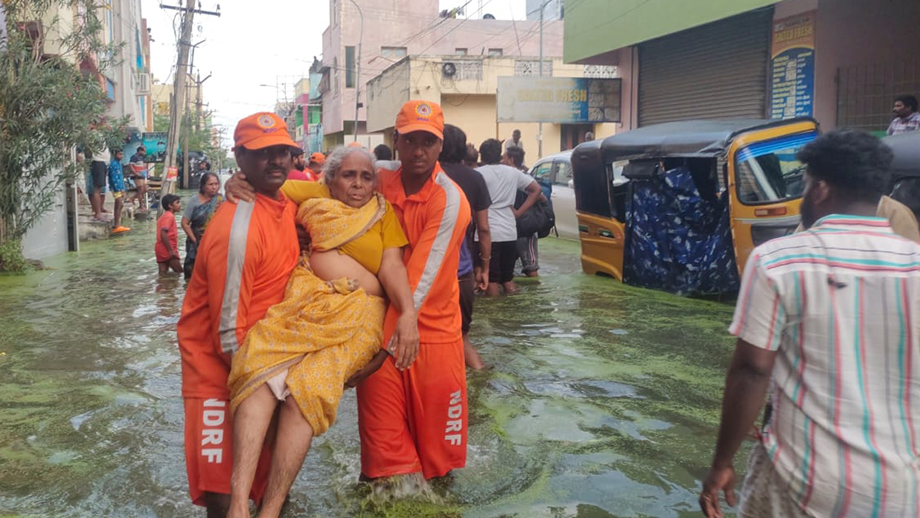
327 332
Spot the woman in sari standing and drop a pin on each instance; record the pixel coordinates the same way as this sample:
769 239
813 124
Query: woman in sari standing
198 211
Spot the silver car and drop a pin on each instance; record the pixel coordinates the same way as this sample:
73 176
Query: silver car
557 171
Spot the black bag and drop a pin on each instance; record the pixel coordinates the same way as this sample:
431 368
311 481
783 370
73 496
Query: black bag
539 219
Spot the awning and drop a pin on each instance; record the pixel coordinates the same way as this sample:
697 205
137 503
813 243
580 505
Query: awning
595 27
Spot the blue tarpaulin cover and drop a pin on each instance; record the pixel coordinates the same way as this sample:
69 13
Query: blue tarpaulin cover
676 240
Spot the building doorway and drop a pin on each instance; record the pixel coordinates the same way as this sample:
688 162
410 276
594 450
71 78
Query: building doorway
574 134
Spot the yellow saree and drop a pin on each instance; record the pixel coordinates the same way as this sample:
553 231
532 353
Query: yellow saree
322 332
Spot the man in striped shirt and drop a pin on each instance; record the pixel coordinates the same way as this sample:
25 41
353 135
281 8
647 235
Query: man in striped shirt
829 320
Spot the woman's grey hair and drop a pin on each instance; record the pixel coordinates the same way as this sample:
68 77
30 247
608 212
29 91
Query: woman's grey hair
339 154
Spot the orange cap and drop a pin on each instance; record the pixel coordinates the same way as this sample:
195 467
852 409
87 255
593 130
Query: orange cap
319 158
261 130
421 116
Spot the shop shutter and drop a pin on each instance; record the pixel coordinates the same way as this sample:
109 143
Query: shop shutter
715 71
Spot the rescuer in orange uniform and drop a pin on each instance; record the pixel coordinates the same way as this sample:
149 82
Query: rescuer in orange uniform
244 262
416 420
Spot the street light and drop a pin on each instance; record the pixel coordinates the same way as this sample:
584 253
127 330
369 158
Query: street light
358 69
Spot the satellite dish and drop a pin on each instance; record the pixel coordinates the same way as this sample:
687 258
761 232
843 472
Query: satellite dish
449 69
488 16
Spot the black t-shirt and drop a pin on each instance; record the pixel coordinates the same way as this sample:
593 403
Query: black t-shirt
477 194
472 184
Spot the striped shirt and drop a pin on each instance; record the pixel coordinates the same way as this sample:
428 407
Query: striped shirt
903 125
839 304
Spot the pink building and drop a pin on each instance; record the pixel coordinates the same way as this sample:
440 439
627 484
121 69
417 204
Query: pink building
394 29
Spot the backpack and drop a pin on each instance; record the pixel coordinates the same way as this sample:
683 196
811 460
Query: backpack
539 218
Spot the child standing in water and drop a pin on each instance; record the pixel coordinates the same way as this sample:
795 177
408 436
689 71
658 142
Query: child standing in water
167 247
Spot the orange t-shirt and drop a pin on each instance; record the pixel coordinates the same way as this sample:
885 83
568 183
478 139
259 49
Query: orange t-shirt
243 265
166 222
435 221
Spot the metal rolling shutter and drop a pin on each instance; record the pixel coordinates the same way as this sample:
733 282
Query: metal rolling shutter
718 70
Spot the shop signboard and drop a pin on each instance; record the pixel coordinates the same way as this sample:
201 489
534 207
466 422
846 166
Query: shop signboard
792 88
564 100
155 144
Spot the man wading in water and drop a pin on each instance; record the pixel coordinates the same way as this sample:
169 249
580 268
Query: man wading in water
243 265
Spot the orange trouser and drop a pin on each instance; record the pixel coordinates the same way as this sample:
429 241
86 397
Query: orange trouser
209 450
415 420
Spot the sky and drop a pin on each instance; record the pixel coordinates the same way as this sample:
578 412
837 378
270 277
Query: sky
251 44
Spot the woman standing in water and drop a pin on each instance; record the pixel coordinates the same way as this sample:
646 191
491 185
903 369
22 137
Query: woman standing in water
198 212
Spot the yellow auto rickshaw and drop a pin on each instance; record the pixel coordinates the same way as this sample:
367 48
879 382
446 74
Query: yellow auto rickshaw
905 169
679 206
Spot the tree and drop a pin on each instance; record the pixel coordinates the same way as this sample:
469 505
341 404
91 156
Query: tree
49 105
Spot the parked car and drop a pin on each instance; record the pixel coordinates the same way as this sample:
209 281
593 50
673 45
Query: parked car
556 170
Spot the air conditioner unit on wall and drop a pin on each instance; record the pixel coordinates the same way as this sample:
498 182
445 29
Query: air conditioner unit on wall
143 83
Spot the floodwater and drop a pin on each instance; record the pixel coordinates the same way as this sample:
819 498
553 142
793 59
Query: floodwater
603 400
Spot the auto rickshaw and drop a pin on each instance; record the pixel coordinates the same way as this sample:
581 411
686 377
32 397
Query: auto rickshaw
905 169
679 206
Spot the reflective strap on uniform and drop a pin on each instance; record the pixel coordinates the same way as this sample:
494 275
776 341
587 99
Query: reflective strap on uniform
441 241
236 257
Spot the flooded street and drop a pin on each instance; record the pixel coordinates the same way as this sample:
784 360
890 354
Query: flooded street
603 400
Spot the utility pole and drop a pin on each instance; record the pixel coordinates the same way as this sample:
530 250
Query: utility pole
188 120
179 98
175 121
199 82
188 129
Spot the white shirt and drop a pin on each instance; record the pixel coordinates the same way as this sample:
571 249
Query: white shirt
503 182
102 156
840 304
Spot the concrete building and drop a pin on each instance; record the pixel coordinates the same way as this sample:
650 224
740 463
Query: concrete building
395 29
552 9
841 61
161 95
466 88
127 89
128 83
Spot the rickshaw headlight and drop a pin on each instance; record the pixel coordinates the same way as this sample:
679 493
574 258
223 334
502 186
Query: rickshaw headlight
760 234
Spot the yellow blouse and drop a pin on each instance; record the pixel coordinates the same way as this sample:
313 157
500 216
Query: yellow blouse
366 249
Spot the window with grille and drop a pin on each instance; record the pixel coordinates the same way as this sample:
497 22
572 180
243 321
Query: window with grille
531 67
349 67
467 69
865 93
601 71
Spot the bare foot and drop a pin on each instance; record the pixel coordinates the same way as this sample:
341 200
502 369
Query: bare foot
238 511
